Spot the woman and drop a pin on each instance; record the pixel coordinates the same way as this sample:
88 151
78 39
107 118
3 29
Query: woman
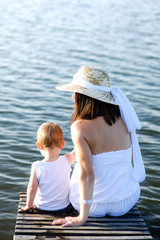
109 165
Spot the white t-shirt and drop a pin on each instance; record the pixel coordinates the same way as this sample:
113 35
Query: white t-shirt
54 184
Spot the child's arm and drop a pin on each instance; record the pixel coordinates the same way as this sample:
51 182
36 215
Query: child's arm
70 157
31 190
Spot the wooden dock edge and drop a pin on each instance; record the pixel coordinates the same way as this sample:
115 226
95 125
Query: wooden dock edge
37 225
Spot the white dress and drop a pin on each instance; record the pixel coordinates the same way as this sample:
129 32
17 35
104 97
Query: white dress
115 188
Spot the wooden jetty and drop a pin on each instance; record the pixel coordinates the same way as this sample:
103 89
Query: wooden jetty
38 225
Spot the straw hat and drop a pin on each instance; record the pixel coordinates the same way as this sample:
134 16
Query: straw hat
89 81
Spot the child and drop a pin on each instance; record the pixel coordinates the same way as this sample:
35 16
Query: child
49 183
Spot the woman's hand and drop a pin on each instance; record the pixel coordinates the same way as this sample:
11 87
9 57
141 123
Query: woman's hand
69 221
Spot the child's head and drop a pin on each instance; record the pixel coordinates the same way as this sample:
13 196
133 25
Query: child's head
50 135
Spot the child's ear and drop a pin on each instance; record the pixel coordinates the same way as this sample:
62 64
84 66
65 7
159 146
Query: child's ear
39 146
62 145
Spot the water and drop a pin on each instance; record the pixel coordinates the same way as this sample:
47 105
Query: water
42 44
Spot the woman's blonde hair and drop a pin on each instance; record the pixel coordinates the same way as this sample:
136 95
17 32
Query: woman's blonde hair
50 135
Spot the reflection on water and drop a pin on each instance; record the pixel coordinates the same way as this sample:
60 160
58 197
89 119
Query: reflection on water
42 44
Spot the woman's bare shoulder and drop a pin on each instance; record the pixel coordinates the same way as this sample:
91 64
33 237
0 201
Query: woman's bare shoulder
81 127
81 124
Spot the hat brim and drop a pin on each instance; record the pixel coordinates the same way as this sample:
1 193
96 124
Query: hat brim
101 96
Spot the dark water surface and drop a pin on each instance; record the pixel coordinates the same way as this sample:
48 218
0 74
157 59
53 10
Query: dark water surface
42 44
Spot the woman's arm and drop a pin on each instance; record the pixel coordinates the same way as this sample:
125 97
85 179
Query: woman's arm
86 178
31 190
83 155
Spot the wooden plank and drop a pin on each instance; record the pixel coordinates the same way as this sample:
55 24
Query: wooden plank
81 232
86 227
84 232
51 218
37 225
130 213
33 222
106 229
34 237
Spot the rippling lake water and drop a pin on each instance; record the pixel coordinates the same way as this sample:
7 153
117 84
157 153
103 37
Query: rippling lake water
42 44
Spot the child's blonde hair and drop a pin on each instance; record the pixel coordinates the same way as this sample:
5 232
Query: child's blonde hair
50 135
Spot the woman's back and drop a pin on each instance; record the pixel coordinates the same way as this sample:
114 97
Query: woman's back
102 137
110 147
